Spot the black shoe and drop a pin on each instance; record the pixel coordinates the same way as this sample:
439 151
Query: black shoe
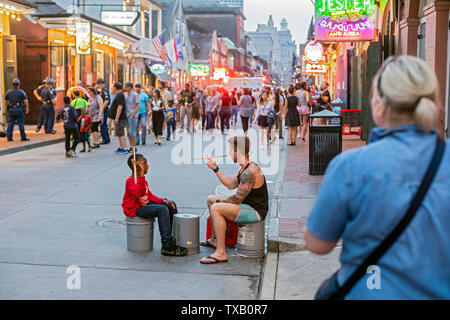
138 143
26 139
53 132
143 143
171 249
131 150
104 142
10 140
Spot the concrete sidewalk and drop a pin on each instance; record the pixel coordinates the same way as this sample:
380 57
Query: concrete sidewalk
290 272
37 139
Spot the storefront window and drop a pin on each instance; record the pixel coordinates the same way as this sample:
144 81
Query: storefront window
56 58
154 23
147 25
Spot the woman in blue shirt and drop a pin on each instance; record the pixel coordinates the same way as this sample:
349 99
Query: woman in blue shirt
367 191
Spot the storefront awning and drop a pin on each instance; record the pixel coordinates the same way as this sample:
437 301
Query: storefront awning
68 21
20 4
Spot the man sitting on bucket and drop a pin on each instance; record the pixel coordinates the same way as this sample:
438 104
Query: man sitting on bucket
249 205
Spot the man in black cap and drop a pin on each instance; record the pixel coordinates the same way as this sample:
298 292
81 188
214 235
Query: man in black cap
48 97
17 107
106 97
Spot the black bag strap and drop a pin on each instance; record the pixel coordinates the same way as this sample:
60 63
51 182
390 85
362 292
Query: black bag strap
404 222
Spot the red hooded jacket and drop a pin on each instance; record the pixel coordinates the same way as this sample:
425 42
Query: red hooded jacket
136 195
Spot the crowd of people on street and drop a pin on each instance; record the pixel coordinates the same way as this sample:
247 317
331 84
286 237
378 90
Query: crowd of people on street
137 111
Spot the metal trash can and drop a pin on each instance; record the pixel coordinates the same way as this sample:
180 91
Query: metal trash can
325 141
186 231
139 234
250 242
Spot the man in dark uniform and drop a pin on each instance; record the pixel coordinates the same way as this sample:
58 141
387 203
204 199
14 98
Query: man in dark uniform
49 100
17 107
37 94
104 92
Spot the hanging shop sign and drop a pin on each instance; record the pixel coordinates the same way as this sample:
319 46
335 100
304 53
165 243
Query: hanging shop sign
199 70
83 37
219 73
345 20
158 69
314 62
120 18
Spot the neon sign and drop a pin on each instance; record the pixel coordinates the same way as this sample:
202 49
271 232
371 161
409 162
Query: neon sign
344 20
314 62
220 73
199 70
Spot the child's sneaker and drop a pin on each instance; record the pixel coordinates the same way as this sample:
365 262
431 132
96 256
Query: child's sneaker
118 150
171 249
122 151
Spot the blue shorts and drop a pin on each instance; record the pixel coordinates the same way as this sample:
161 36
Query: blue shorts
247 215
132 126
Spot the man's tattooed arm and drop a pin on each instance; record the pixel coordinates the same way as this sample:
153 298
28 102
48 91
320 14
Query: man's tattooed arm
245 187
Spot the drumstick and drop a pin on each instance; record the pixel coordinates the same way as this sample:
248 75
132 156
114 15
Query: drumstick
134 163
222 156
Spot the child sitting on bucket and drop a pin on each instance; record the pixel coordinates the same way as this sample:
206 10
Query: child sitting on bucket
139 201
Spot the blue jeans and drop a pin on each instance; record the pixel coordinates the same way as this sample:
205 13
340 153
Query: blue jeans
234 114
49 117
225 114
171 127
142 118
104 126
211 120
164 215
41 117
16 114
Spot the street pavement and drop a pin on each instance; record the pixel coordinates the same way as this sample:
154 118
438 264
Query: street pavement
57 212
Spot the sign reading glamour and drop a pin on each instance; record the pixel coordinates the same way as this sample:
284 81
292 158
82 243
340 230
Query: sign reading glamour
345 20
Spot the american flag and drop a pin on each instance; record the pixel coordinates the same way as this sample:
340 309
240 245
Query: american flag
158 43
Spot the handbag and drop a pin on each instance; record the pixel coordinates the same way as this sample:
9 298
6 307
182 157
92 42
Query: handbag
330 289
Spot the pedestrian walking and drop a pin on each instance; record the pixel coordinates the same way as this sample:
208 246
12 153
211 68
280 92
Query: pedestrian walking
106 98
250 204
304 98
292 115
279 104
85 125
70 117
118 114
212 109
132 108
144 108
225 111
245 109
149 93
17 107
264 106
158 106
401 213
234 107
171 123
196 108
48 96
203 109
95 109
186 99
139 201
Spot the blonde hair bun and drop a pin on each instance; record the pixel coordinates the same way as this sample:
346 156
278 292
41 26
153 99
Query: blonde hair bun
409 85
